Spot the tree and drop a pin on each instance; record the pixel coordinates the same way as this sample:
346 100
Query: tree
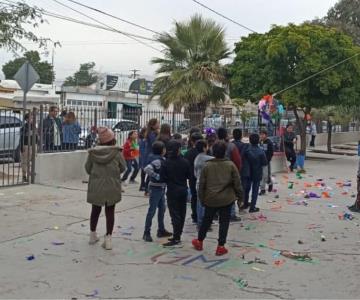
270 62
84 77
245 115
14 26
345 15
190 74
44 69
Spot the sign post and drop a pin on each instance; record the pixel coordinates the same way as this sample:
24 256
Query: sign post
26 77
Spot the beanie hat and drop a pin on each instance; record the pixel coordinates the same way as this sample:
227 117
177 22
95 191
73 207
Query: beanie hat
105 135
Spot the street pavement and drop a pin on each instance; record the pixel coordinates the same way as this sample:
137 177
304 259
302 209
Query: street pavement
44 251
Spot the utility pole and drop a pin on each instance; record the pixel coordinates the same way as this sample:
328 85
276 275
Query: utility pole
135 75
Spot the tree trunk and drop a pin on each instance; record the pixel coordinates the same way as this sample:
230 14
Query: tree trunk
329 137
196 113
302 130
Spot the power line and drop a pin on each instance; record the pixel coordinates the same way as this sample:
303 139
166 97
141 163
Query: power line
316 74
225 17
97 21
115 17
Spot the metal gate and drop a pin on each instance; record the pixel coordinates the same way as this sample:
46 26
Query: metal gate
17 142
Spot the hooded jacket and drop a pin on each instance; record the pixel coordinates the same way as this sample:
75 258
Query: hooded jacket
254 160
104 165
220 183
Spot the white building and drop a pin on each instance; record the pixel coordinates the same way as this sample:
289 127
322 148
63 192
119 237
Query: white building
11 95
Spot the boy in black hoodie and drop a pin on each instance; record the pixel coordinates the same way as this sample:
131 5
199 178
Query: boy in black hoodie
175 173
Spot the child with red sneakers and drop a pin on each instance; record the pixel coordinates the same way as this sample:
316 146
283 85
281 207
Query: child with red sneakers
131 154
219 188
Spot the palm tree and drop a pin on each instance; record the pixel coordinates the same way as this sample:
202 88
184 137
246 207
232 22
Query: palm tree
190 74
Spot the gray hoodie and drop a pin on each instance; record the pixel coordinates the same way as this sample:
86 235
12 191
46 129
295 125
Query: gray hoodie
199 164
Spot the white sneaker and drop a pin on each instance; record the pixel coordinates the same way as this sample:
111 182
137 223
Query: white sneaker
107 242
93 238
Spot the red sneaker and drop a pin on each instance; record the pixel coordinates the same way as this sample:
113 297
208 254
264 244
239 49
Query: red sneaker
198 245
221 250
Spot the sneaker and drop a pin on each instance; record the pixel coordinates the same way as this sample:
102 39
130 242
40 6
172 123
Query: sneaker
172 243
270 188
164 234
354 208
198 245
107 245
147 237
235 219
262 193
254 210
244 206
93 238
221 250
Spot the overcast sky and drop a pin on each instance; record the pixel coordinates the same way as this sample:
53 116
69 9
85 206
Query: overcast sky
115 53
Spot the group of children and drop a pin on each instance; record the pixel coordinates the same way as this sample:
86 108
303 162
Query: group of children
218 172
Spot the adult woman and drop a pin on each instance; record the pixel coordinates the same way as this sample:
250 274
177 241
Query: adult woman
71 132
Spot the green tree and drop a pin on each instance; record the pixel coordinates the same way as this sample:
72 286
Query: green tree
44 69
14 25
271 62
191 74
345 15
84 77
244 115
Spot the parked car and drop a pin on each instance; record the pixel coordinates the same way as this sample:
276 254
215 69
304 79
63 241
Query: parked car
121 128
214 121
10 126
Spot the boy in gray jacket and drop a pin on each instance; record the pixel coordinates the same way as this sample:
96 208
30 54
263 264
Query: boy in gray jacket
199 163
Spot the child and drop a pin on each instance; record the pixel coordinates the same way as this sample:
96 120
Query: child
254 160
289 143
71 131
104 164
157 192
219 188
190 156
199 163
142 158
268 147
131 155
175 173
356 206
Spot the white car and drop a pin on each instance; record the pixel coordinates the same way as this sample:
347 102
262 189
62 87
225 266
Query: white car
121 128
10 126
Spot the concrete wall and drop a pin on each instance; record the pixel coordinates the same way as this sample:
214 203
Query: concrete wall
60 167
337 138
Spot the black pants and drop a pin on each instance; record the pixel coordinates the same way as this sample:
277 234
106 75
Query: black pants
109 214
69 146
312 142
177 209
291 157
224 221
142 180
192 185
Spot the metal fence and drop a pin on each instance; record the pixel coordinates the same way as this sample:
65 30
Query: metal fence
16 147
81 132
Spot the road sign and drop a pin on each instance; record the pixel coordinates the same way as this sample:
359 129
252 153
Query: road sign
26 77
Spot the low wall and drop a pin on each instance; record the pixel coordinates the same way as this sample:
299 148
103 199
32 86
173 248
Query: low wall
60 167
337 138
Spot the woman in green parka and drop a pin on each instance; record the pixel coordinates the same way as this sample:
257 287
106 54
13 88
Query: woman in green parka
104 164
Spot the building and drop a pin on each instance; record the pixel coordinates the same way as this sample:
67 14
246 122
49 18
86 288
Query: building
11 95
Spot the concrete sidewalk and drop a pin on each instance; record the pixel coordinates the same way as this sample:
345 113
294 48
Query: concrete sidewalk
51 223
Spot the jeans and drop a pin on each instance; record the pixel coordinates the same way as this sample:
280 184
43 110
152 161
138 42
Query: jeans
142 178
252 185
192 185
266 179
132 163
291 157
156 201
224 221
177 209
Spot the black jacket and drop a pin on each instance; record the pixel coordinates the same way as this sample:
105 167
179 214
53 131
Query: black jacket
48 130
254 160
190 157
268 148
289 140
175 172
26 136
